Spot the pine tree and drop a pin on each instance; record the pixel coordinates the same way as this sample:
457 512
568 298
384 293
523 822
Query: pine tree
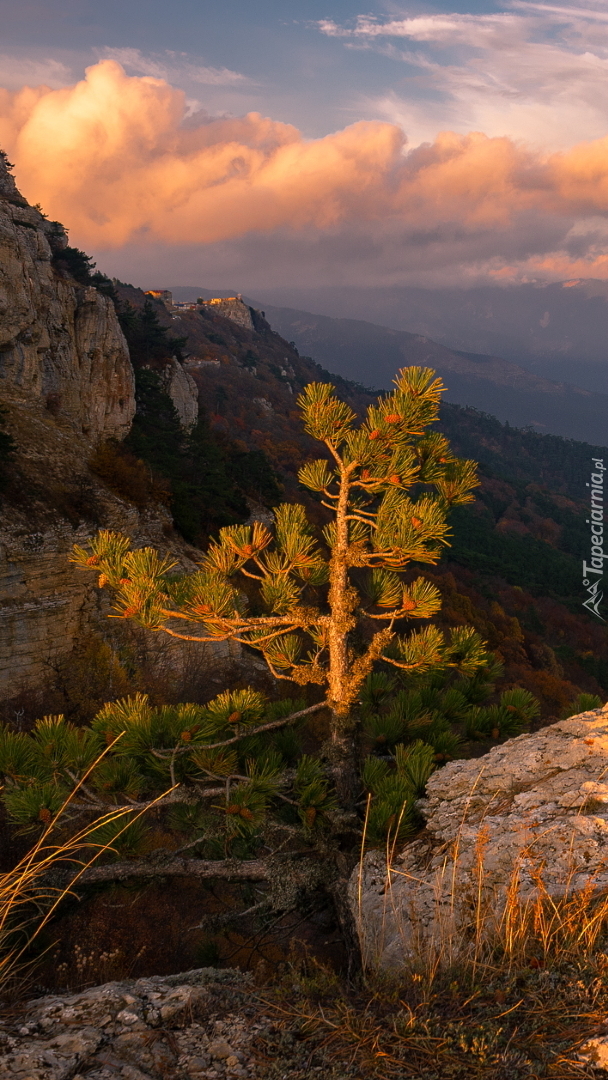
388 484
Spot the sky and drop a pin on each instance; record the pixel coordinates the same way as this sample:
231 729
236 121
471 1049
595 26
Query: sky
260 143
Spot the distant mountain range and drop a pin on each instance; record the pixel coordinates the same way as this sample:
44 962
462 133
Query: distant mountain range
558 330
371 354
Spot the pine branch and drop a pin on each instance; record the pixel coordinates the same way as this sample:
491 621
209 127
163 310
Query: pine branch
249 732
399 664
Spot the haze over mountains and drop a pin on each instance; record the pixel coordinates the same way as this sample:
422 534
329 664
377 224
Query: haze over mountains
558 330
371 354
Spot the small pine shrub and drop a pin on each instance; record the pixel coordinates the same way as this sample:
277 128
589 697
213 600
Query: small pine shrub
582 703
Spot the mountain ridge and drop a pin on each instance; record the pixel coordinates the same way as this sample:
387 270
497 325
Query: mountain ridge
370 354
486 382
556 329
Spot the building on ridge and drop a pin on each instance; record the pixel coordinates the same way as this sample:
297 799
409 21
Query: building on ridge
162 294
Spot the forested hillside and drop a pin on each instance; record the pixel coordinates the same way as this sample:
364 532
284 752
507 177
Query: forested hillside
513 568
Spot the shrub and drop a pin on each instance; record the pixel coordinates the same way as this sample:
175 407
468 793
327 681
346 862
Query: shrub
127 475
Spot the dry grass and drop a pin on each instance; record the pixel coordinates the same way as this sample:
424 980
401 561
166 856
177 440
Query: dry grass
514 995
29 900
472 922
523 1028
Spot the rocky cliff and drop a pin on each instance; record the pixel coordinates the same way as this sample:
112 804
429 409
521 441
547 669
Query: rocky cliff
66 384
61 346
183 392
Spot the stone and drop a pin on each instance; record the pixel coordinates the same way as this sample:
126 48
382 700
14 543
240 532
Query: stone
221 1049
62 1037
183 392
60 343
537 803
197 1064
595 1052
231 307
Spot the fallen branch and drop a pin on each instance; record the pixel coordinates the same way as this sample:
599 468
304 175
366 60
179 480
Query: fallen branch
203 869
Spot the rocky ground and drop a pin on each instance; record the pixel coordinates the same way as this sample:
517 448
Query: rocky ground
211 1024
193 1026
529 818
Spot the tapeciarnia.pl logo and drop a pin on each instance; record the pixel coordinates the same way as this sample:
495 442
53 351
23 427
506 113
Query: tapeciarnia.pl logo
594 570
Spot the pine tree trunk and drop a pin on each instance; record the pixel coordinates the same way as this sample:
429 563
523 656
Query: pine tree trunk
343 758
341 599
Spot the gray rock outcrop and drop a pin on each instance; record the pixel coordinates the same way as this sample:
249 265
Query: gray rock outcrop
183 392
66 382
536 805
233 308
187 1027
60 343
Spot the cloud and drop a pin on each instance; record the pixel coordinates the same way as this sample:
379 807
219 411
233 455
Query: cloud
112 157
536 72
178 66
464 29
17 70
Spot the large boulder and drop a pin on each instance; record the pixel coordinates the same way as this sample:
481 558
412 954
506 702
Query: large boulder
530 815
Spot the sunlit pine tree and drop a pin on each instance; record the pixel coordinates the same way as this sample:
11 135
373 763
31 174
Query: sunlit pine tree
327 607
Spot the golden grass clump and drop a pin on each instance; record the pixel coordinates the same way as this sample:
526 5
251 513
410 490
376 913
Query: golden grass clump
476 926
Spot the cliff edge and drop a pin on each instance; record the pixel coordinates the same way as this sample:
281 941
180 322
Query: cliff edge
66 384
61 346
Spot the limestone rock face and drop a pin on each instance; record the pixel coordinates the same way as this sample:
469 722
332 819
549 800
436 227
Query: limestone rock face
66 382
183 392
61 345
185 1026
538 803
231 307
46 605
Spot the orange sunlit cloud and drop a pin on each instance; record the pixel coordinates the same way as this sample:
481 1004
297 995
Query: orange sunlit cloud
116 158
